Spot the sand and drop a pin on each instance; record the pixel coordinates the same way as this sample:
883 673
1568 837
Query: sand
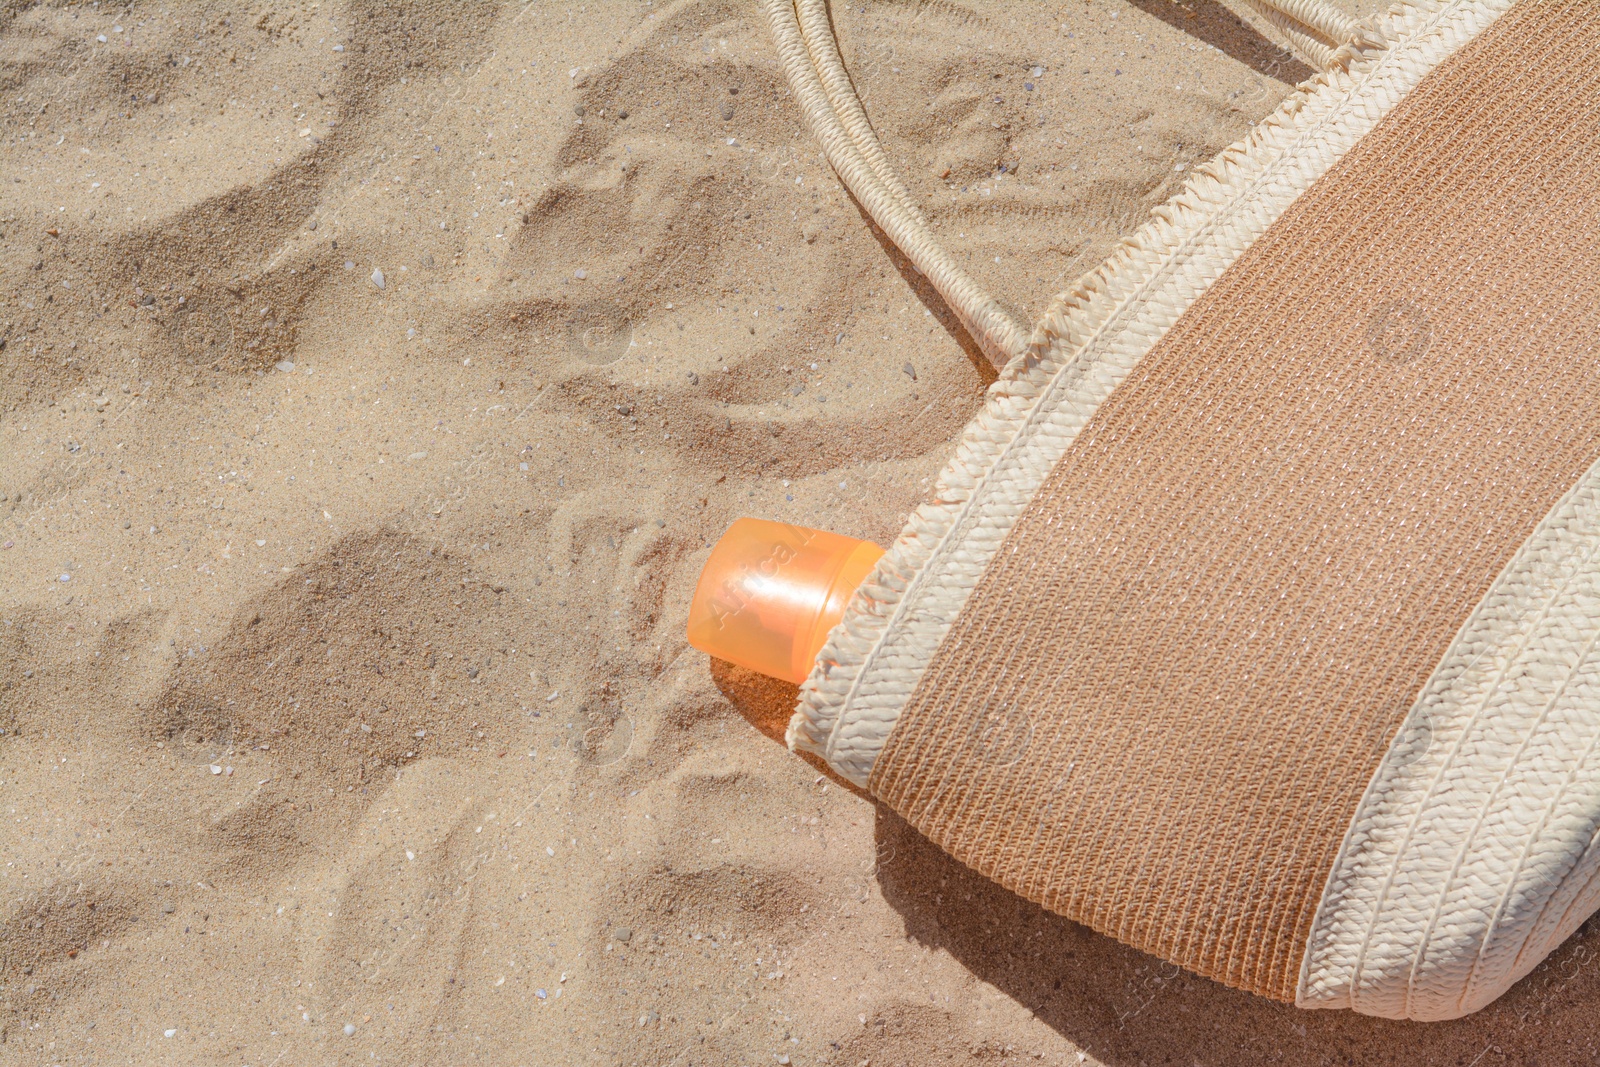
376 378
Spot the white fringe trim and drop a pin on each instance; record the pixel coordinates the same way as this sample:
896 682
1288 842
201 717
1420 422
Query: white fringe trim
1086 343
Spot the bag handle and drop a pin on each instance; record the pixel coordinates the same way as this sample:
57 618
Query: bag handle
809 52
1314 29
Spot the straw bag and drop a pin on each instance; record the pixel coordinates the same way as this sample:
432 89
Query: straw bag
1256 620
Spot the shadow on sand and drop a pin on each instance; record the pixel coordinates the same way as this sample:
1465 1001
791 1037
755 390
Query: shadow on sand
1210 22
1128 1009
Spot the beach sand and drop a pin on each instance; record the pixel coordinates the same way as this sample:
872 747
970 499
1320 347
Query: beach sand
376 378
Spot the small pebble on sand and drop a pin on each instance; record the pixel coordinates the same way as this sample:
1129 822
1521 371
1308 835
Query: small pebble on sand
171 1033
284 365
377 277
580 274
349 1029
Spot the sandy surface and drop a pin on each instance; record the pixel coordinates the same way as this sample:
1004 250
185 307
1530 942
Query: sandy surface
347 714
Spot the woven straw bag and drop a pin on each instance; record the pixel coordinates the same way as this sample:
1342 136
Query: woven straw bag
1256 620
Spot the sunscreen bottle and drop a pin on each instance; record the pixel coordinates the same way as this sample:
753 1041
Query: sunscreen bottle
770 592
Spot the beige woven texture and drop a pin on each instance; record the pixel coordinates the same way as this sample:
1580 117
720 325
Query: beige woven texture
1088 340
1161 705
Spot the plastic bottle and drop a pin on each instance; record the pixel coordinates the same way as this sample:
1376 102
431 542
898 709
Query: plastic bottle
770 593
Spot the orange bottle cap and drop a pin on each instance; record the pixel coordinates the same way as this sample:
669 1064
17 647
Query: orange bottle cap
771 592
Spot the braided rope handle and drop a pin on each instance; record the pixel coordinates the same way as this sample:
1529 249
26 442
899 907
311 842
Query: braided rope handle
809 52
1314 29
853 150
